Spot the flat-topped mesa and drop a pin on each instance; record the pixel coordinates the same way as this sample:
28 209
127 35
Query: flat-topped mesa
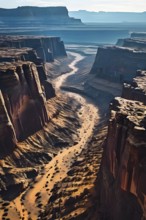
136 90
137 44
118 64
23 100
47 48
122 188
29 16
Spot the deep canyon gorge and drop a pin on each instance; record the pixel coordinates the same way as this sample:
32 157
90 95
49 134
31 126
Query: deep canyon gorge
73 124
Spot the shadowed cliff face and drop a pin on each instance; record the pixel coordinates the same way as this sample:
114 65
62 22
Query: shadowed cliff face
23 97
118 64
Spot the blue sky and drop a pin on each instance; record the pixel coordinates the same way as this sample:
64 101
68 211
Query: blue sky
91 5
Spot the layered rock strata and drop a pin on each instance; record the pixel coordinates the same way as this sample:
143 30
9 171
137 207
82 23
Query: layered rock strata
118 64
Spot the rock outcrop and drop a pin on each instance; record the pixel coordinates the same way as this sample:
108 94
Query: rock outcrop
36 16
118 64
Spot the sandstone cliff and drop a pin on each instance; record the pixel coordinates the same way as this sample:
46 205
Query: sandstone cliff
118 64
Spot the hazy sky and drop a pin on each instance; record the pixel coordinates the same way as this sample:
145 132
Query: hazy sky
92 5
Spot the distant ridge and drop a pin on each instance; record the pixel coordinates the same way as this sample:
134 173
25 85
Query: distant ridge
109 17
45 15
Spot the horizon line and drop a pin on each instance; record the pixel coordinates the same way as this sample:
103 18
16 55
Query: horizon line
101 11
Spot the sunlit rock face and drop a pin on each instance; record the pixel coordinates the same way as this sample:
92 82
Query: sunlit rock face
118 64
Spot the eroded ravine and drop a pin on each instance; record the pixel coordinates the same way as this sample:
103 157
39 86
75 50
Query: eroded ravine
33 201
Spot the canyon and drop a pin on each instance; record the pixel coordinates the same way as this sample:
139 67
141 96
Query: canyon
73 129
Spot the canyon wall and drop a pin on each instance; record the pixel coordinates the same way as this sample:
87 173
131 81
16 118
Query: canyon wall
118 64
